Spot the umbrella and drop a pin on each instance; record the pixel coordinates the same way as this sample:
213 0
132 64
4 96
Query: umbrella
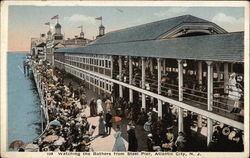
16 144
66 104
50 138
60 141
30 147
116 119
55 123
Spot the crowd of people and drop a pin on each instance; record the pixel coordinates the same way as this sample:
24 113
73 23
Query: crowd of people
69 129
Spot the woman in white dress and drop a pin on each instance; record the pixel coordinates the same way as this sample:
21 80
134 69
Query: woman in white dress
99 106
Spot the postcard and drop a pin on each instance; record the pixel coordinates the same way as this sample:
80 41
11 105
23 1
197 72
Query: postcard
124 79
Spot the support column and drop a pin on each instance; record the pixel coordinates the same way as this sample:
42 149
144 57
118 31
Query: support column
159 87
180 87
105 86
159 75
120 77
226 77
200 72
164 66
130 79
217 66
99 86
151 65
143 82
111 67
209 100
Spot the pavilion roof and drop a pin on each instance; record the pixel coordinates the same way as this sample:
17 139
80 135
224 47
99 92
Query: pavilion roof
219 47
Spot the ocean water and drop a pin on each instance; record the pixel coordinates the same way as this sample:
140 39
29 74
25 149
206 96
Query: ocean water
24 113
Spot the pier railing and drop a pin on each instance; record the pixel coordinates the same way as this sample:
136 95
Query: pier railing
41 89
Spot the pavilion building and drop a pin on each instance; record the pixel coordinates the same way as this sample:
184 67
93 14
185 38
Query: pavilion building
185 61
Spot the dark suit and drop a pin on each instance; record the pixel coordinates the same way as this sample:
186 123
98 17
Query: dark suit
108 120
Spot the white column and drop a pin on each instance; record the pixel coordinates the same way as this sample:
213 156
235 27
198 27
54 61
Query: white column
199 121
105 86
209 130
164 66
142 72
151 71
209 86
159 75
99 86
111 66
180 119
217 65
120 76
151 65
180 85
200 72
130 79
199 118
143 97
180 79
159 87
226 77
231 67
209 99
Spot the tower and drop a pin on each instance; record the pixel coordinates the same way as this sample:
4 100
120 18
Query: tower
49 35
58 28
82 34
58 35
101 30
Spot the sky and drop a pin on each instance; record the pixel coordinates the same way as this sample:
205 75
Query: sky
26 22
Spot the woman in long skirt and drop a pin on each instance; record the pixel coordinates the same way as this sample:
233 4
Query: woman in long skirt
132 140
93 109
119 144
101 125
99 106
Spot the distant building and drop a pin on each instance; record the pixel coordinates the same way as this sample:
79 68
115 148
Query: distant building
45 47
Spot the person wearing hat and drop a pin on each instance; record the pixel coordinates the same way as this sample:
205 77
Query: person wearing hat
101 124
168 142
150 142
92 106
180 142
132 140
148 124
108 120
119 143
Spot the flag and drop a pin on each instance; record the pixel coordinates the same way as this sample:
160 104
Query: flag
55 17
47 23
99 18
79 27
